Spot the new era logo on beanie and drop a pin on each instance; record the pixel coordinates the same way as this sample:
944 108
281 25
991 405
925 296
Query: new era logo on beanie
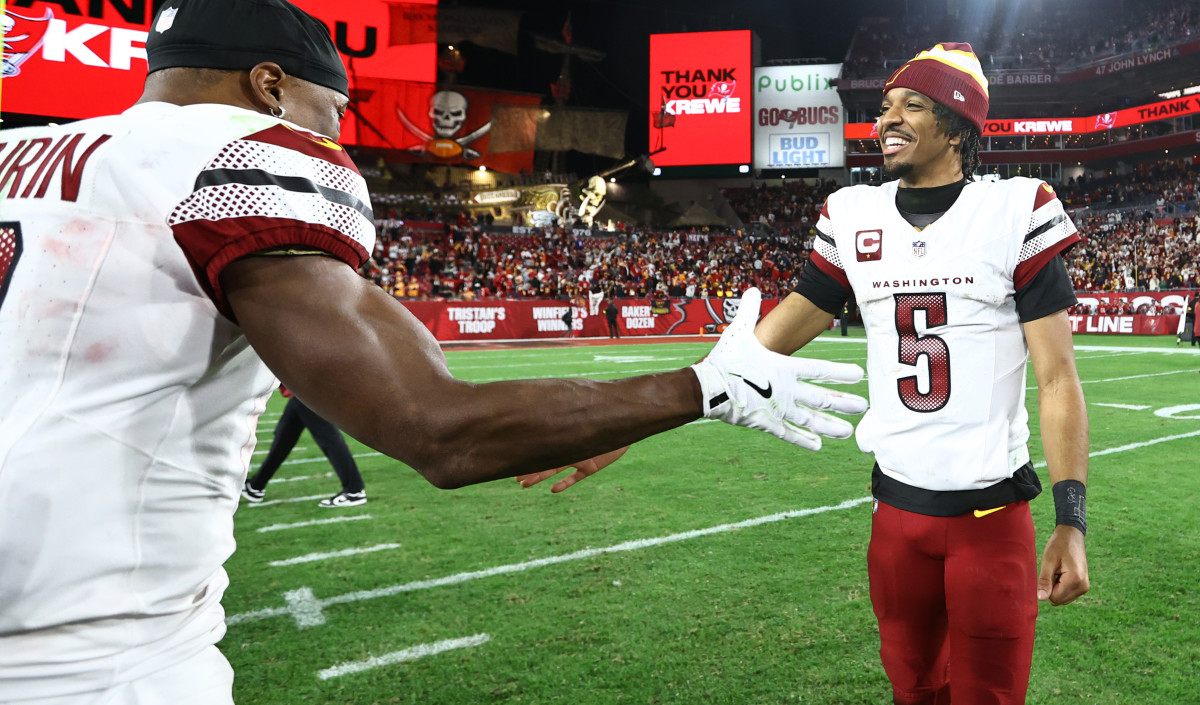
239 34
950 74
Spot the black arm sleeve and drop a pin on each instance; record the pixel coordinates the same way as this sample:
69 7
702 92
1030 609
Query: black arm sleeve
821 289
1050 291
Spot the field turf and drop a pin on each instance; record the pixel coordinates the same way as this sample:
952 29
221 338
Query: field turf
712 564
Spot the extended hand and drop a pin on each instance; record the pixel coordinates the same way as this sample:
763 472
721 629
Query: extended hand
745 384
1064 573
582 469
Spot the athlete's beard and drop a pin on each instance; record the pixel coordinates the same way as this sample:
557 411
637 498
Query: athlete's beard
897 170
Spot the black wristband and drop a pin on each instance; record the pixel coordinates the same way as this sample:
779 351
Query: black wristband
1070 504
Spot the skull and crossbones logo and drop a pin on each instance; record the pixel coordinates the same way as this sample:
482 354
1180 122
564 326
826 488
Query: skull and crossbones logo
447 113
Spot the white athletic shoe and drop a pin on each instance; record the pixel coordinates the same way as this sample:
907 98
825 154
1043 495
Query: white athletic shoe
344 499
252 495
745 384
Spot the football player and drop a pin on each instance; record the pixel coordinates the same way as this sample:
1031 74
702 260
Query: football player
159 270
957 282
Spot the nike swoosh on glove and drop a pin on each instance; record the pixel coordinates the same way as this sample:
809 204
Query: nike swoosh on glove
745 384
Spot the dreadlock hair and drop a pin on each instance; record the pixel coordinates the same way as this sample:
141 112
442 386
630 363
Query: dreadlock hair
955 125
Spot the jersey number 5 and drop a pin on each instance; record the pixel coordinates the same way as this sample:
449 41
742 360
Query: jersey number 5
913 346
10 252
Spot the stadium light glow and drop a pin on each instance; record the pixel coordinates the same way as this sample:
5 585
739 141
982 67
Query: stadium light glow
482 167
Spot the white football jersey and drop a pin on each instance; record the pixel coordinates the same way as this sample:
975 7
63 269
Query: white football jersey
945 350
128 398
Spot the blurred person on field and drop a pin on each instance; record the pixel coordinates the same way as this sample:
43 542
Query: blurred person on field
297 417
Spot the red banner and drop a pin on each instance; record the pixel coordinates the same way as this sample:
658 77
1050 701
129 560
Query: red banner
524 320
1126 325
65 58
1141 302
538 318
1161 110
446 126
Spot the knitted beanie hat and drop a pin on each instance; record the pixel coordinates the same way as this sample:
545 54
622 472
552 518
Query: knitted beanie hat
950 74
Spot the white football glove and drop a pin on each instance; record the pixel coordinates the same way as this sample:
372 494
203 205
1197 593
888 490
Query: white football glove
745 384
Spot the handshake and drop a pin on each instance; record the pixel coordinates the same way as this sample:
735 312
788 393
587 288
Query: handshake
745 384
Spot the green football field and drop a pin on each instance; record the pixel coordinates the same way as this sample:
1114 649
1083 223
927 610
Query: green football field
712 564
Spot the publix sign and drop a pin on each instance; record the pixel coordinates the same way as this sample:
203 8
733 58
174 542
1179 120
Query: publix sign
798 117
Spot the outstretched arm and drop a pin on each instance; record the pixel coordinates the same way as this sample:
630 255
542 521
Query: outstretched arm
746 383
1064 574
792 324
362 361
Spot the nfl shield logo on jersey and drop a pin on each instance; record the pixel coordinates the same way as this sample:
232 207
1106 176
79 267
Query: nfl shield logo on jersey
166 19
919 248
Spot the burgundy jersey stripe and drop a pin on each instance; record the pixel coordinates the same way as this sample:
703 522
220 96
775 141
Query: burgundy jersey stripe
1026 270
211 245
306 143
831 269
1045 195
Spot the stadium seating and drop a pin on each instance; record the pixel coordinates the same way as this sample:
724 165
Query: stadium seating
1058 39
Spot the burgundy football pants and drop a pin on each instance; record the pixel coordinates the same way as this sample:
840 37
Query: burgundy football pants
956 600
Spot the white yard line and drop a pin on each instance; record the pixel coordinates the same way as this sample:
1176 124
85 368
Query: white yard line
401 656
303 461
1136 349
594 373
624 372
344 553
1135 446
270 502
1106 356
305 611
307 608
264 452
298 478
314 522
653 358
1123 379
1130 407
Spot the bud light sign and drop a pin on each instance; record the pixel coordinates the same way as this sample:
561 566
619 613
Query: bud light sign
811 150
798 117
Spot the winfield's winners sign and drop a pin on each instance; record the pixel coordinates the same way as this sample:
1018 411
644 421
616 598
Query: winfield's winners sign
798 117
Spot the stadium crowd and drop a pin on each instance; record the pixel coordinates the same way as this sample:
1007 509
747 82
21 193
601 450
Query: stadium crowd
1143 254
793 207
468 262
1165 188
1130 249
1051 40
